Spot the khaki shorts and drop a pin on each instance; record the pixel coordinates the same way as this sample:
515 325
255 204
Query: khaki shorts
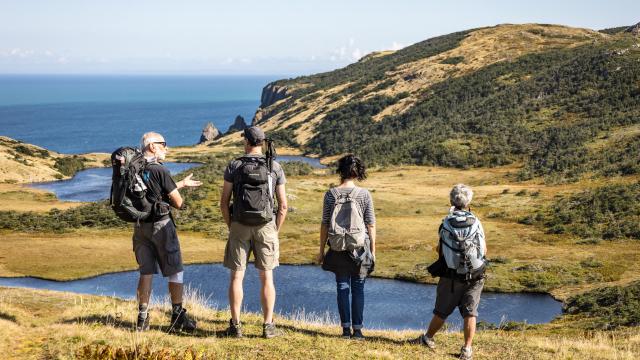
465 296
262 240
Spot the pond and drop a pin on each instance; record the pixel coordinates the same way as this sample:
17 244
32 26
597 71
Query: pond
314 162
389 304
94 184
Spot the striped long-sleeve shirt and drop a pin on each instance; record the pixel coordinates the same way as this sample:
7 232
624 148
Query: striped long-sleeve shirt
363 199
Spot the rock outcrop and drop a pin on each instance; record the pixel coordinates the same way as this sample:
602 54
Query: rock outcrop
209 133
635 30
238 125
271 94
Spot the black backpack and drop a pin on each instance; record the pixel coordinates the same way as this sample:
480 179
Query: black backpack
128 190
252 192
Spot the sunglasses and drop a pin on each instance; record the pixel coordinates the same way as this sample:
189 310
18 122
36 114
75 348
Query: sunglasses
163 143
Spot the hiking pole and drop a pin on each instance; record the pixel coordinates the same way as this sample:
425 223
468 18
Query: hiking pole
271 154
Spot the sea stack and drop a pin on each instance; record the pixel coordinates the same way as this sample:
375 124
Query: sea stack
209 133
238 125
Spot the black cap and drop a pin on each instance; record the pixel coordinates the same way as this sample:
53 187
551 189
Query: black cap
253 134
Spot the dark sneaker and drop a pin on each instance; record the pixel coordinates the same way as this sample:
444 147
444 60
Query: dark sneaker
425 341
234 330
269 331
466 353
143 321
346 333
181 321
357 334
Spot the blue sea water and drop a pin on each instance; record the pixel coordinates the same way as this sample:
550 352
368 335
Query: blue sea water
78 114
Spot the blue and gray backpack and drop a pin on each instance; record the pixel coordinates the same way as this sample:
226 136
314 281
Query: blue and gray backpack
462 245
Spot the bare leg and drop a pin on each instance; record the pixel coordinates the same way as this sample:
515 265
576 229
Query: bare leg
235 294
175 289
435 325
469 330
144 289
267 295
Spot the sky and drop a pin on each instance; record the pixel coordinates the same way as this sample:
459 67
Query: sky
251 37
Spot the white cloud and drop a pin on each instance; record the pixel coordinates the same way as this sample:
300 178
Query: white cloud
356 54
397 46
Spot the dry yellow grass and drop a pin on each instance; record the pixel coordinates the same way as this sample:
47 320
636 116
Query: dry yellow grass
37 324
23 198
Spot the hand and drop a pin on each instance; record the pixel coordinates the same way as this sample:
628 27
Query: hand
320 259
187 182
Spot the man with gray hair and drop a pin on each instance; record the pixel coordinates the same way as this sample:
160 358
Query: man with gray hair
460 266
155 241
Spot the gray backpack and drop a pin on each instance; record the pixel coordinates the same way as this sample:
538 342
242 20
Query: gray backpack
463 245
347 230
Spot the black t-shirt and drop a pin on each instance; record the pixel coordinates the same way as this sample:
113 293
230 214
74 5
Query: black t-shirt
158 179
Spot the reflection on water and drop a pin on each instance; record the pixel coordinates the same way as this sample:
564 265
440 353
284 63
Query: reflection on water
94 184
389 304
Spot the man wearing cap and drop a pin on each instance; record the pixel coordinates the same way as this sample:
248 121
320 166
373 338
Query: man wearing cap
253 180
155 242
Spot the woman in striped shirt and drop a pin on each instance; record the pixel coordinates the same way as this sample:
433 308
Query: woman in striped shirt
350 267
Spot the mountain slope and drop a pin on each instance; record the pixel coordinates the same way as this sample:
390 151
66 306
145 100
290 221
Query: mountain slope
544 95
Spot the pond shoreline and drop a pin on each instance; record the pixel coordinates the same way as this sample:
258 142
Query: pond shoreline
309 289
186 263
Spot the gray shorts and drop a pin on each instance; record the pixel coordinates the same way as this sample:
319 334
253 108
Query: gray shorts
156 245
465 296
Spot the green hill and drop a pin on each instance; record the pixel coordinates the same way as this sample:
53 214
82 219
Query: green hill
549 97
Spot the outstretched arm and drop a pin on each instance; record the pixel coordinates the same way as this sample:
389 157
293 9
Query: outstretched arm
175 198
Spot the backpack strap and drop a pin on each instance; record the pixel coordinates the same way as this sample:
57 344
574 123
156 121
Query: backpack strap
354 193
336 194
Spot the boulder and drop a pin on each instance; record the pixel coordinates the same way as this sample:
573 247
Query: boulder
635 30
238 125
209 133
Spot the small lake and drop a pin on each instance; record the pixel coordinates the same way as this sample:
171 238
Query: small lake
94 184
389 304
314 162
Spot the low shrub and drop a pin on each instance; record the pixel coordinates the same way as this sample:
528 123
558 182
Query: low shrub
611 307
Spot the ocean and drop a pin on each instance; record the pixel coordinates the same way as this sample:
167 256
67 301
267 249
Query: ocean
79 114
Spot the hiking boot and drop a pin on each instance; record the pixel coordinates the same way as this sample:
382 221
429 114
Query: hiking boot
181 321
269 331
466 353
346 333
357 335
234 330
425 341
143 321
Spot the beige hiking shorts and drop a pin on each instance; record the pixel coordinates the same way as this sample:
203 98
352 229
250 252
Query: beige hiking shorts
262 240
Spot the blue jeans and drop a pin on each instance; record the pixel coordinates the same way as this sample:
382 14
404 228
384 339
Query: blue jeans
350 311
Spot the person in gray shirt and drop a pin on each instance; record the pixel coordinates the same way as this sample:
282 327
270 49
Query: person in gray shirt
253 226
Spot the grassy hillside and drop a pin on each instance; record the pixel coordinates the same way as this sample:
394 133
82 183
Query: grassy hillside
25 163
544 96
